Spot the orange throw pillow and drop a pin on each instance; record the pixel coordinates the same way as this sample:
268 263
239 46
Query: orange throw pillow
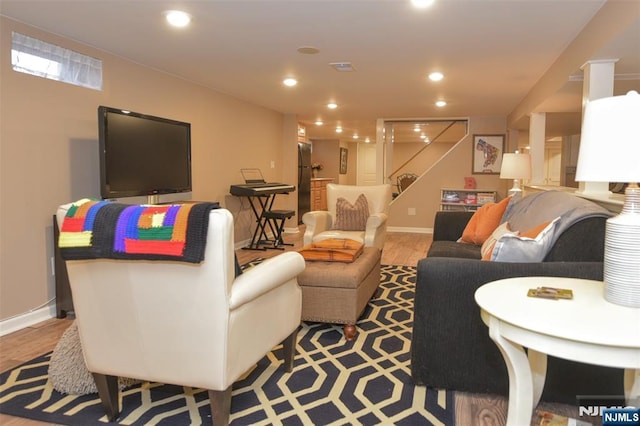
533 232
483 222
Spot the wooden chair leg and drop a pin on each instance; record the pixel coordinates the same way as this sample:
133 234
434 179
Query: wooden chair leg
350 332
220 402
108 392
289 350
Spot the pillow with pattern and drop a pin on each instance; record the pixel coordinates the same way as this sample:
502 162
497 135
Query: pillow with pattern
488 245
529 246
351 217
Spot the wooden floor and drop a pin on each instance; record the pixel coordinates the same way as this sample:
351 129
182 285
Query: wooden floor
400 249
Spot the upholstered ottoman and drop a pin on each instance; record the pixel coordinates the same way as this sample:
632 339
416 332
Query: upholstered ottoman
338 292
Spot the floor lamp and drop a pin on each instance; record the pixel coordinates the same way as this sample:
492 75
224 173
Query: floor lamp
610 152
515 166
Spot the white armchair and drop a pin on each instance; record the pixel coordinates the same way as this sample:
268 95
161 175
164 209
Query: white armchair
319 224
184 323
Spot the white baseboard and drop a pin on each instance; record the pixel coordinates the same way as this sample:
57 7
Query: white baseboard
27 320
240 244
410 230
245 243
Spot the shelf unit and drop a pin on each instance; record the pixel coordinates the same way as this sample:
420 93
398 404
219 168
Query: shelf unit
465 199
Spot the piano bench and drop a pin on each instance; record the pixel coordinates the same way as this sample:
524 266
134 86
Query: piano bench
278 217
279 214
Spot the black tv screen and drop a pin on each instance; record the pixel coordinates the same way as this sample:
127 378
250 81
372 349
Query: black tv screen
142 154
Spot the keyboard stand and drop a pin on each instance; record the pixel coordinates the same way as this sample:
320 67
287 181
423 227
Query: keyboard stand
261 198
261 204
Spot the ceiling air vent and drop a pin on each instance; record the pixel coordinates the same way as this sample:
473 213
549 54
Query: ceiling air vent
343 66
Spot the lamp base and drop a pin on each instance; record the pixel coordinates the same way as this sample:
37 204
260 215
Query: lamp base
622 253
515 191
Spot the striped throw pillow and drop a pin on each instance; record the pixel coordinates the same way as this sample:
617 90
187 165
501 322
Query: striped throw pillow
351 217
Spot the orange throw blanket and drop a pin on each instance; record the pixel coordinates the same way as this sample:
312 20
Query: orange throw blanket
332 250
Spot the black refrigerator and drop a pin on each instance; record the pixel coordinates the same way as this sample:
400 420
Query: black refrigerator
304 179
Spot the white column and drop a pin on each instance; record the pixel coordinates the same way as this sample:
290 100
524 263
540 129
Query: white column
513 146
537 131
384 151
598 83
513 140
288 164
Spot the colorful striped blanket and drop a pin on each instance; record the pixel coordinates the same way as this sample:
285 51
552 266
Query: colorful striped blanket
103 229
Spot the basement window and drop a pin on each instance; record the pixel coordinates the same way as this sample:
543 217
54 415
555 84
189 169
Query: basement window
36 57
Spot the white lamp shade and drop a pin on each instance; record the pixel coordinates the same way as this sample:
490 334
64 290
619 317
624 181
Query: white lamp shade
610 140
515 166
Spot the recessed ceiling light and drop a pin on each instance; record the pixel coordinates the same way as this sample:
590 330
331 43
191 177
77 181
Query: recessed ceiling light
367 140
332 105
290 82
422 4
338 129
178 18
440 104
416 129
436 76
423 136
319 122
355 136
308 50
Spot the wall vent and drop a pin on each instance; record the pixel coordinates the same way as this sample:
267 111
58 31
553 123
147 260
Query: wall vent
343 66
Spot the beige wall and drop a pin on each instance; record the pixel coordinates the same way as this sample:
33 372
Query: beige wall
326 152
49 156
49 153
424 194
402 152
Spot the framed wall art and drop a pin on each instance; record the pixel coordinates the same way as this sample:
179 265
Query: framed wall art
487 154
343 161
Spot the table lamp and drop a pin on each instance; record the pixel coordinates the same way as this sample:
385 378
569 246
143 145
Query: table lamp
610 152
515 166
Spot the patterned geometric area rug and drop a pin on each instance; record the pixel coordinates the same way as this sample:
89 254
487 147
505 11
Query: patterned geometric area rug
334 382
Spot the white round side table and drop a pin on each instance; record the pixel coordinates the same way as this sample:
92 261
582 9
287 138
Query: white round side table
586 328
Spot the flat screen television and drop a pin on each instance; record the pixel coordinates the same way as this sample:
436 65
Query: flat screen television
142 154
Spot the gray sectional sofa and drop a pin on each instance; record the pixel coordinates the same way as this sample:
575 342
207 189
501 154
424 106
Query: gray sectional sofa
451 348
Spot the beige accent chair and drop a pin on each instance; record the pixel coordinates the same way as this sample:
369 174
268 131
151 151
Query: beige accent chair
319 223
181 323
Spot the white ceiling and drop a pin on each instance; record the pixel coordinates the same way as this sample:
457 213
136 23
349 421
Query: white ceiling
492 52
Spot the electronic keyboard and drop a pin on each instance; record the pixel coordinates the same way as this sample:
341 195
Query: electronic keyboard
257 189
